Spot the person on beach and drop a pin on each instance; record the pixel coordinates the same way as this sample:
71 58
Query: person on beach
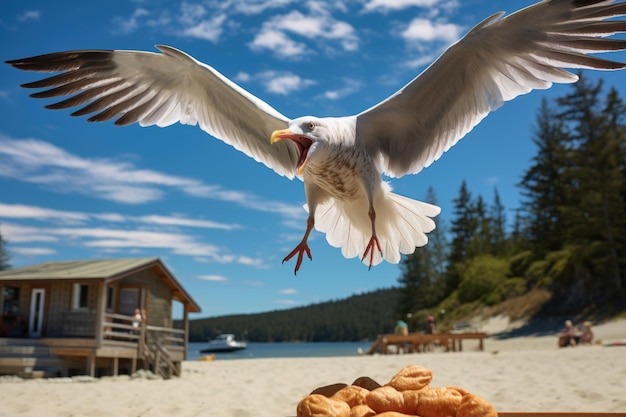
586 338
430 327
401 328
570 336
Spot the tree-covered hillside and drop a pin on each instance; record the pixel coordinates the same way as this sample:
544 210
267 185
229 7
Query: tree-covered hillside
360 317
567 239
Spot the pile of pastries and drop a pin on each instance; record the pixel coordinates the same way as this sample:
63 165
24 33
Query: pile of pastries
408 393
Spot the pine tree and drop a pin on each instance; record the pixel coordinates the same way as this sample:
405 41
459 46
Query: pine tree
480 242
463 230
544 187
422 280
498 226
595 212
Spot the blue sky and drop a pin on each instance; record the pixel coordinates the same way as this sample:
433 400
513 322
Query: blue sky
221 222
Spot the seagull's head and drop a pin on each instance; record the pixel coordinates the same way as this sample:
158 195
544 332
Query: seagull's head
306 133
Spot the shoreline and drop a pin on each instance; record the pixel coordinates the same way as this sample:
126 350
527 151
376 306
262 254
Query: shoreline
515 374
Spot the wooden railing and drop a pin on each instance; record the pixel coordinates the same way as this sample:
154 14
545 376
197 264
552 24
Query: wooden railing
155 344
419 342
119 327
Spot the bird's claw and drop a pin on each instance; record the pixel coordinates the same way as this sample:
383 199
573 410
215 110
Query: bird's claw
300 250
370 249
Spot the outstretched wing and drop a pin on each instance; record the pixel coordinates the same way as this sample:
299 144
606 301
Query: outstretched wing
498 60
162 89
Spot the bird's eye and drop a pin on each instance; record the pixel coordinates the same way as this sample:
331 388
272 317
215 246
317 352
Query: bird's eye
311 125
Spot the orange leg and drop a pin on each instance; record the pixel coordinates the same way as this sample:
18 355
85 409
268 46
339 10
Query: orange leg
303 246
374 243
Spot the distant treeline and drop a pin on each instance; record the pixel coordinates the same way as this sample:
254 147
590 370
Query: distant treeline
360 317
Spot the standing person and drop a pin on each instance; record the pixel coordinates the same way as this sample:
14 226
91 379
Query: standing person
430 327
136 321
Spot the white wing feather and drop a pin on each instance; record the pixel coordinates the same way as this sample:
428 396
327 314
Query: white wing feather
498 60
162 89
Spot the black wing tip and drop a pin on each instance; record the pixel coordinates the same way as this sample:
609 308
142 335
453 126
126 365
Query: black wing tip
62 61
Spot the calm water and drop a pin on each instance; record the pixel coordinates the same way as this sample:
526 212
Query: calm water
285 350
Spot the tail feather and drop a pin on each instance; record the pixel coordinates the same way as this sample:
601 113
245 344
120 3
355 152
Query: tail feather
401 225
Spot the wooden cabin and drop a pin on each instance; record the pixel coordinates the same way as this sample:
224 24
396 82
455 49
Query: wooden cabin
79 318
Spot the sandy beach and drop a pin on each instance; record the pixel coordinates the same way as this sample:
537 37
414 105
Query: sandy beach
514 374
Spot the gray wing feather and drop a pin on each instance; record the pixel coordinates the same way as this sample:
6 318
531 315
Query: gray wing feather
498 60
162 89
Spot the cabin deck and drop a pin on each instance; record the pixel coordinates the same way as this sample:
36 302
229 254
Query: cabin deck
121 347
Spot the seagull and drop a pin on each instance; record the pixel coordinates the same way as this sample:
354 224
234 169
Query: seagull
342 160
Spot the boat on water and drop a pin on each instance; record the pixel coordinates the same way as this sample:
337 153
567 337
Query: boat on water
224 343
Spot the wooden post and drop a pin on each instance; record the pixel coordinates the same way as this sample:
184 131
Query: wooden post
100 310
186 327
91 365
142 339
157 362
116 366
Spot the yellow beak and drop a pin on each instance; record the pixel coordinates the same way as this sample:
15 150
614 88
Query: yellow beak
301 141
279 135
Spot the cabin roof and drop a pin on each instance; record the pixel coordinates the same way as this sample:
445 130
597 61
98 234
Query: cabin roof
103 269
90 269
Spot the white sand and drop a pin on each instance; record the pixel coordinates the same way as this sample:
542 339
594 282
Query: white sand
521 374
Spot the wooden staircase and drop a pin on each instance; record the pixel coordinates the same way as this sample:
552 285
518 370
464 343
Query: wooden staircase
157 357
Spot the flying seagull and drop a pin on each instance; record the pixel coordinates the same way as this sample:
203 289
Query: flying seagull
341 160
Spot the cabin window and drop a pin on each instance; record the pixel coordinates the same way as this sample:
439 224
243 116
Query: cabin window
110 298
80 297
11 301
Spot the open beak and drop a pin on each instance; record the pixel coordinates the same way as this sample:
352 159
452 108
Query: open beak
279 135
303 143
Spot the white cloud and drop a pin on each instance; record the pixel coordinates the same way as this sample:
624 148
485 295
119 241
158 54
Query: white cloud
283 82
242 77
130 24
277 82
385 6
277 42
252 7
181 221
213 278
318 26
246 260
112 239
21 211
288 291
427 31
191 13
33 251
29 15
208 29
16 233
42 163
350 86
